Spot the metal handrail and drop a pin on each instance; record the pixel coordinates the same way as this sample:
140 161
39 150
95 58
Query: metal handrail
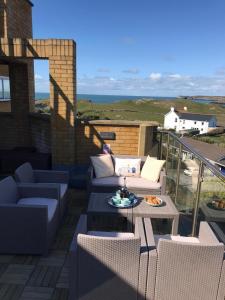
209 165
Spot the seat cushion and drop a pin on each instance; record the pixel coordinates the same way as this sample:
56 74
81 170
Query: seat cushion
132 182
176 238
50 203
63 189
25 174
112 234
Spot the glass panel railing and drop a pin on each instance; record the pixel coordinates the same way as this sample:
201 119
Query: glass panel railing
193 184
212 198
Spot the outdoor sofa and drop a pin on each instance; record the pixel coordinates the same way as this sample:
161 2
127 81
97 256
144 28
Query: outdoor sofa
107 265
134 184
29 217
58 179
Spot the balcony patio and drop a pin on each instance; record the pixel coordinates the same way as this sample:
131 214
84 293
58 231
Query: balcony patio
47 277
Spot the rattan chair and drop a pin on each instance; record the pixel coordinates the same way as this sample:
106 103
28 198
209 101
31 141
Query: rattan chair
108 265
186 268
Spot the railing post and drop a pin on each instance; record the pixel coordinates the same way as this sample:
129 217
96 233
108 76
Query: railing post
198 194
160 146
167 151
178 172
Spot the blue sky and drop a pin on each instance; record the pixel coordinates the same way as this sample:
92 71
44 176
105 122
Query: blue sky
145 47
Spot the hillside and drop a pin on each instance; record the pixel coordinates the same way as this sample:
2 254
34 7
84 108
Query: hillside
145 110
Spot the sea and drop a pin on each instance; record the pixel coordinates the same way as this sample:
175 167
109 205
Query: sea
117 98
105 98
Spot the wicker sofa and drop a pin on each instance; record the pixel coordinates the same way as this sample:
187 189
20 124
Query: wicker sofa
136 185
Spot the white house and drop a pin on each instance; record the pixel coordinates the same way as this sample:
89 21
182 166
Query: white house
181 121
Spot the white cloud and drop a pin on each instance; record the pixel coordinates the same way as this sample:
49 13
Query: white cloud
176 76
38 77
155 76
166 86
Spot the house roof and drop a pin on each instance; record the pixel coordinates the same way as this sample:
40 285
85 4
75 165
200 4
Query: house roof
194 117
210 151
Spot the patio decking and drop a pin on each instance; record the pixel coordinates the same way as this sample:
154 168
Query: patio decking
24 277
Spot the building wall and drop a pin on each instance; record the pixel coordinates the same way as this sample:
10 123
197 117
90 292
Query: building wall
17 19
169 120
40 132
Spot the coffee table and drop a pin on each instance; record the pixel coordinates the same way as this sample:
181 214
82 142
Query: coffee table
98 206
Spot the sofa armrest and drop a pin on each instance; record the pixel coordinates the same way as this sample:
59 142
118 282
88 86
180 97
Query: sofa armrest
90 176
52 176
29 190
162 181
23 228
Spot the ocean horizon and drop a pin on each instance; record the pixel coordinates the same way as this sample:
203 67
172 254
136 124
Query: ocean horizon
105 98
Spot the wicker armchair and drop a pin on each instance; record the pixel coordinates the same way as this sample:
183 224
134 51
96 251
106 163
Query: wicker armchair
108 265
186 268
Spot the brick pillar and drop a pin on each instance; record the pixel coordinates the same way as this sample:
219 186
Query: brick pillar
20 95
63 103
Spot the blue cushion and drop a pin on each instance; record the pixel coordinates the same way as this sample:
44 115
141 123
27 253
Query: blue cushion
25 173
8 191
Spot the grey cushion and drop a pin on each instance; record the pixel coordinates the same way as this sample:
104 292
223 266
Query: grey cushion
8 191
138 182
63 189
25 173
132 182
111 234
50 203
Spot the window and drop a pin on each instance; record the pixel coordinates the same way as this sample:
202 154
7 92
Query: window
201 129
175 120
195 122
183 121
4 88
183 127
202 123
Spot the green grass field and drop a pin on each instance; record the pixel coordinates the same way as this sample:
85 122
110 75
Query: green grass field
143 110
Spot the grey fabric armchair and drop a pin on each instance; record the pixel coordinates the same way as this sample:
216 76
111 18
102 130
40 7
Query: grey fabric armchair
29 218
58 179
136 185
106 265
186 268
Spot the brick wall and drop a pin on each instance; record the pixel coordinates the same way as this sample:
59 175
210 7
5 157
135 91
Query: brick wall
40 132
89 143
18 18
5 106
8 136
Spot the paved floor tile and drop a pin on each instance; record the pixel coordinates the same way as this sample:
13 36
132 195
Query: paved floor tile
16 274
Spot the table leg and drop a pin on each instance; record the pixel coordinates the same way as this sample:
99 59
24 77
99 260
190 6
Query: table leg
175 224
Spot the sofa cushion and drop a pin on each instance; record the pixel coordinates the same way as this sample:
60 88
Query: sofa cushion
8 191
152 168
25 174
50 203
132 182
103 165
127 166
111 234
142 183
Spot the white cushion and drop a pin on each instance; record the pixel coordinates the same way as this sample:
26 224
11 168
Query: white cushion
131 182
177 238
103 165
50 203
63 189
111 234
127 166
152 168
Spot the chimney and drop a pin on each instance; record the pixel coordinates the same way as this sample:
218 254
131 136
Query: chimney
185 108
172 109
